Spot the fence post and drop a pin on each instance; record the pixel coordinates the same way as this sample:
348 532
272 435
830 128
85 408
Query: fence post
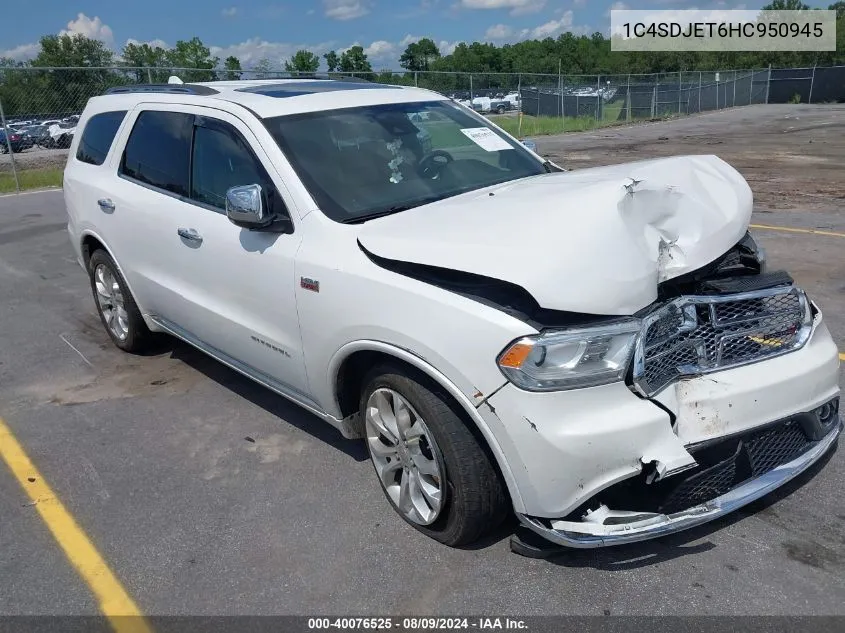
9 149
751 87
653 101
149 76
416 80
628 114
733 105
680 82
699 91
598 96
470 90
812 81
768 83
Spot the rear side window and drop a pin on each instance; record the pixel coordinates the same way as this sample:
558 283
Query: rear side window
98 136
158 151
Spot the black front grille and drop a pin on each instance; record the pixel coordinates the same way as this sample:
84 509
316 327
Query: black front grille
723 464
702 486
775 447
756 454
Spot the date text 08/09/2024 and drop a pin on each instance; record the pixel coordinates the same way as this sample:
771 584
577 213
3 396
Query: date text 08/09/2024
417 624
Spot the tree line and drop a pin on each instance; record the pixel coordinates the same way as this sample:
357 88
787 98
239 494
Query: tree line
96 67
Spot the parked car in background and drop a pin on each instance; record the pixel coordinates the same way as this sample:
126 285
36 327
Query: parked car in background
62 133
18 140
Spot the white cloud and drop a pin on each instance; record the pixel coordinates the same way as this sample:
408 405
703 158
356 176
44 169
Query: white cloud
381 53
22 52
616 6
229 12
92 28
498 32
346 9
552 28
447 48
255 49
408 39
517 7
151 43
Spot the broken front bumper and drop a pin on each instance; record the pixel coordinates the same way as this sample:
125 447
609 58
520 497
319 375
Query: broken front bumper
643 526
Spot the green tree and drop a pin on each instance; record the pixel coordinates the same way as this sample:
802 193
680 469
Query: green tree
303 61
192 54
69 89
786 5
233 68
419 55
354 60
147 60
262 68
332 61
839 7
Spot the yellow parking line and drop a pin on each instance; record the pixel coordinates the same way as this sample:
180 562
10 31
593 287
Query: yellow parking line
789 229
842 357
112 597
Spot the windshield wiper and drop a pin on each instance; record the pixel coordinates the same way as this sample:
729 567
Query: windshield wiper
394 209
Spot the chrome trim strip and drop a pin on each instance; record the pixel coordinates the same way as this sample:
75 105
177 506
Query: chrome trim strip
253 374
584 535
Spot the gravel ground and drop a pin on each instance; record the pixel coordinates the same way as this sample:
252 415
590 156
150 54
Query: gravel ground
150 453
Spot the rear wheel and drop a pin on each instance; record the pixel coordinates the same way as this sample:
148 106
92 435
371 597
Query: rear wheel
432 469
116 306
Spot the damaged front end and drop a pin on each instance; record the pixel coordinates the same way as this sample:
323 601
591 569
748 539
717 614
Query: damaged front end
728 315
756 464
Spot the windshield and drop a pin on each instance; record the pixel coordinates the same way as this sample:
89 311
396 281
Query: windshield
369 161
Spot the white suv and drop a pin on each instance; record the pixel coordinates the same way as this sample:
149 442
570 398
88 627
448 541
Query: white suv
601 351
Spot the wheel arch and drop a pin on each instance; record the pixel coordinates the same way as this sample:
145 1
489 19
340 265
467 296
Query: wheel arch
350 364
90 242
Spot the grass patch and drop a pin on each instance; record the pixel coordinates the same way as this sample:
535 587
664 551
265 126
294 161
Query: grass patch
31 179
544 125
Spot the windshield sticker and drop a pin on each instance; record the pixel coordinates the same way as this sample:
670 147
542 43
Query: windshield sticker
398 159
486 139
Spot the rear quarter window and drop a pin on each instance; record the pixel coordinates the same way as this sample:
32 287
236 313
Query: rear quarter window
98 136
158 151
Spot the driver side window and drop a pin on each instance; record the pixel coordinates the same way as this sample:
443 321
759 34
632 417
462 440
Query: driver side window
221 159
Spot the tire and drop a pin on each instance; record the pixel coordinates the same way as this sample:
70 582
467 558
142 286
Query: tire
500 109
125 326
473 499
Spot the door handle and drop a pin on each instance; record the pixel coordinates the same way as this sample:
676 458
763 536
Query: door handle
106 204
190 235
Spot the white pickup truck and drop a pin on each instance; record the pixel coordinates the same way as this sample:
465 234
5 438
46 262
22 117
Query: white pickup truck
603 352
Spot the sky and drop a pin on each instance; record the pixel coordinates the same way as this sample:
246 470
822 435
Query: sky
256 29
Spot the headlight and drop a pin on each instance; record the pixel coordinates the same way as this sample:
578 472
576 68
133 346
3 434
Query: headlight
572 358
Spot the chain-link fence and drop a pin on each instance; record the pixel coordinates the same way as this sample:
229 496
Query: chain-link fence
42 105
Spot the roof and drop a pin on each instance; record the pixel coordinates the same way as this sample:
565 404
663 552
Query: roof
274 97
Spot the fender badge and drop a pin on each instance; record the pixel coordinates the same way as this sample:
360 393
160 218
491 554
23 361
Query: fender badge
309 284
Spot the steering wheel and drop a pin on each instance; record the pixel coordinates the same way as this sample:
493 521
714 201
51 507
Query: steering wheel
433 163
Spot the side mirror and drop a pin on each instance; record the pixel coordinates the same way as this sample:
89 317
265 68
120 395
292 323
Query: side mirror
245 207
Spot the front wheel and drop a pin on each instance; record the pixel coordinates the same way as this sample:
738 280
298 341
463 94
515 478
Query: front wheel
432 469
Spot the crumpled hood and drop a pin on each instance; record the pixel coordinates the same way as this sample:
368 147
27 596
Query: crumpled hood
596 241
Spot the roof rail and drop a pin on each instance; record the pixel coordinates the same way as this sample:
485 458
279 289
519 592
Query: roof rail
190 89
327 77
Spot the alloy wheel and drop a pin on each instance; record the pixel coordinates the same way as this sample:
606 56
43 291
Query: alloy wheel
407 460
